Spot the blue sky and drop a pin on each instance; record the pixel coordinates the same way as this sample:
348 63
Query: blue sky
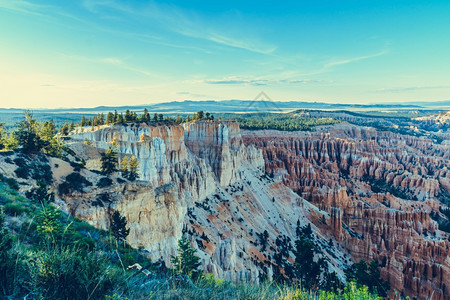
105 52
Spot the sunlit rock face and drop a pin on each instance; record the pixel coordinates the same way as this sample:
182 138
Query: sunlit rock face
379 189
200 178
370 192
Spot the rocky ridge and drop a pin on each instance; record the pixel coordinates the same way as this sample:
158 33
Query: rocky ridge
379 189
200 179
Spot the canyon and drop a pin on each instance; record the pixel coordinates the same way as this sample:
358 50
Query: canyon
236 194
379 189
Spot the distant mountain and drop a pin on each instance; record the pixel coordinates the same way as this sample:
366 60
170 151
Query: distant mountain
230 106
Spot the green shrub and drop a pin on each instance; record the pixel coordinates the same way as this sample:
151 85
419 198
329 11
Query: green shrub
22 172
16 209
73 182
6 263
68 273
104 181
11 182
43 173
20 162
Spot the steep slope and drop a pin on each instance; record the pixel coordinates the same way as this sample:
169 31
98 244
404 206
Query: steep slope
379 189
200 179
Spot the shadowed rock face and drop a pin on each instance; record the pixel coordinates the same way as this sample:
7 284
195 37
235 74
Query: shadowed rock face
379 189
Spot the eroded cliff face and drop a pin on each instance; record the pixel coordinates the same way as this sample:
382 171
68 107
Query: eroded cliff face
199 178
379 189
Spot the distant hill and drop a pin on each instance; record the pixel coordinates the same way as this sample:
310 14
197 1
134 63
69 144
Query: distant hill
224 106
60 115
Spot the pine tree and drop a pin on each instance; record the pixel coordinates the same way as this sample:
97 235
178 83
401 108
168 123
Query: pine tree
298 229
109 160
3 137
118 227
186 262
101 119
133 168
155 117
48 224
110 118
146 116
28 134
48 131
368 275
124 167
306 269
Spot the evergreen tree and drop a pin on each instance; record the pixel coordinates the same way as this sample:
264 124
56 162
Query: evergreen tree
28 134
120 118
186 262
102 119
134 117
161 117
124 166
178 119
298 229
65 128
146 116
155 117
3 137
11 141
133 168
110 118
109 160
264 237
48 225
200 115
128 116
48 130
306 270
368 275
118 227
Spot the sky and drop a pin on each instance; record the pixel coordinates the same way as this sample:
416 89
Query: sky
89 53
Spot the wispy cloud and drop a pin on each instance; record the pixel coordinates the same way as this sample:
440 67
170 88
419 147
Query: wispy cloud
114 61
411 88
353 59
189 94
259 82
23 7
185 23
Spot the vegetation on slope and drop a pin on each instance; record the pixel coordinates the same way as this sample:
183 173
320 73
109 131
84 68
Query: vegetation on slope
282 121
47 254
